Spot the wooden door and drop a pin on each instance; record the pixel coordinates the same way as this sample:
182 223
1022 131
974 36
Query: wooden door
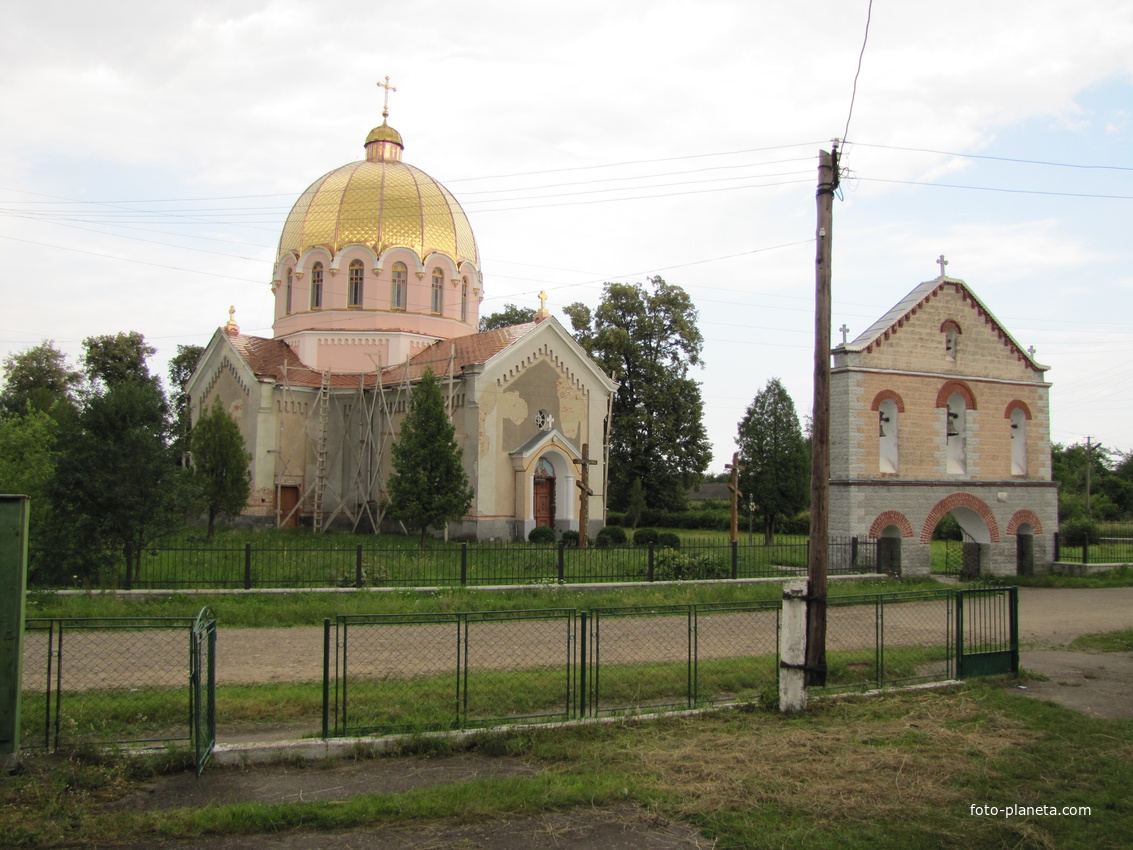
288 502
545 502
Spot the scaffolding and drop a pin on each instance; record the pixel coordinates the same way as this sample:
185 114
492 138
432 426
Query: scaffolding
342 431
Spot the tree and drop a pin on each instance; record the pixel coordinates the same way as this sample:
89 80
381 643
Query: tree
181 368
112 359
648 340
635 504
220 465
505 318
428 485
116 482
27 460
774 453
40 377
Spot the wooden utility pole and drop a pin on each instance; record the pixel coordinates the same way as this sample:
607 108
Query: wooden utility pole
584 485
820 435
734 486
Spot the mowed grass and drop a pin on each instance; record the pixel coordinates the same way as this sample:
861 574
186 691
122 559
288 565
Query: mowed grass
305 608
902 770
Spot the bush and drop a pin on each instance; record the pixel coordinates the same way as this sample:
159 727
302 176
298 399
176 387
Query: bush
947 529
569 539
610 535
645 537
541 534
671 565
668 540
1077 531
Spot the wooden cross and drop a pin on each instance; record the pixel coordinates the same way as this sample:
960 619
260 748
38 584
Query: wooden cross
845 330
940 261
385 104
734 486
584 485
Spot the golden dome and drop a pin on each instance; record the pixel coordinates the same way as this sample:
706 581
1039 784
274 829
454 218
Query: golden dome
381 202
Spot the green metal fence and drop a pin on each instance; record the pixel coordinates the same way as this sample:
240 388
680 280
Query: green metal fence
108 681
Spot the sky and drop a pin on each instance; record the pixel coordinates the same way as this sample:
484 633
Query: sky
154 150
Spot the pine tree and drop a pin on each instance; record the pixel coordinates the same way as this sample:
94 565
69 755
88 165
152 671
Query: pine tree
220 464
428 485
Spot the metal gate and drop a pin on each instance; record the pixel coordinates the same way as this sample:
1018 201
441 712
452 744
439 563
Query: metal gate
202 686
987 631
962 557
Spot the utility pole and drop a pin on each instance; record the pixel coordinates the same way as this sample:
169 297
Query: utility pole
584 485
734 486
820 455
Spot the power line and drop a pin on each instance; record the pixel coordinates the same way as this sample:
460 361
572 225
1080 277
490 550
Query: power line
861 55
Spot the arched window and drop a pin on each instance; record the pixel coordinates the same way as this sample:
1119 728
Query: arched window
956 424
951 332
438 300
464 300
887 414
355 281
1018 441
287 296
317 286
543 469
397 294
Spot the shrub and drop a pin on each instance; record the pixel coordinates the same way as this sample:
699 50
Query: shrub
947 529
645 536
569 539
1077 531
541 534
668 540
672 565
612 535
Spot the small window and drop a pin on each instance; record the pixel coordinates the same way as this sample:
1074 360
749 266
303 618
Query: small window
355 280
887 414
287 296
438 300
951 332
464 300
397 295
956 437
1018 441
317 286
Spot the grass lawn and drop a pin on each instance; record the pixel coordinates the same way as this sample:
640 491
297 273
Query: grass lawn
902 770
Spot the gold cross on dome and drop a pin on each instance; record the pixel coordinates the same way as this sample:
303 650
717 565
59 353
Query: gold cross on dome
942 263
385 103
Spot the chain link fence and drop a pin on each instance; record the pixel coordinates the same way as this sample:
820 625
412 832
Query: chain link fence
107 681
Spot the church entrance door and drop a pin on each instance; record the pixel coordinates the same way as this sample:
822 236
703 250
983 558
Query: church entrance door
544 507
288 502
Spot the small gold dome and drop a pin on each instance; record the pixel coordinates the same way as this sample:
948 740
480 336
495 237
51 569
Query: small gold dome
381 202
385 133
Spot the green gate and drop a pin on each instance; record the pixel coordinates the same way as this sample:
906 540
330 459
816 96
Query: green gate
202 679
987 631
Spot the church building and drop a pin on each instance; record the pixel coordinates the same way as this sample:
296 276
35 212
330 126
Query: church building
377 279
936 410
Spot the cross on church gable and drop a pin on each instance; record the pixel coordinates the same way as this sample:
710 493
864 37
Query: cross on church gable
940 261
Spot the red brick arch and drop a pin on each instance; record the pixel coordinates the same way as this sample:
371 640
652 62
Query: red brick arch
960 500
1021 517
960 387
888 395
951 323
888 518
1014 405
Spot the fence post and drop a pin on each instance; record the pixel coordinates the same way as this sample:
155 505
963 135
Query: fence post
582 661
792 647
853 552
247 566
358 567
14 514
1085 548
562 574
735 559
1057 547
326 678
464 564
651 562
